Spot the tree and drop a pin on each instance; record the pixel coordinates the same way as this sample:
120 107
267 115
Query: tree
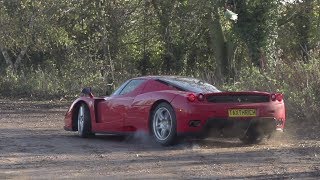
255 24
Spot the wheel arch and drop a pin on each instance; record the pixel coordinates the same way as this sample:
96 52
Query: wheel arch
75 112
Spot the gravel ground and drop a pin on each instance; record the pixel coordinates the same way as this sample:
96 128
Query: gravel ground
33 145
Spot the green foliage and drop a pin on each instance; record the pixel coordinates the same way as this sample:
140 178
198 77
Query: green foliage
298 82
51 82
52 49
256 26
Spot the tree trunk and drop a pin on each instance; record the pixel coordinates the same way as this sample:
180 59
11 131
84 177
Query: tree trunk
164 11
218 43
7 57
14 65
19 58
304 27
108 58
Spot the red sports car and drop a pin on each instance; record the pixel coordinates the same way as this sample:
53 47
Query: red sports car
169 107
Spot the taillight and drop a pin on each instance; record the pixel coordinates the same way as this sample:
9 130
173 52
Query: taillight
191 97
200 97
279 97
276 97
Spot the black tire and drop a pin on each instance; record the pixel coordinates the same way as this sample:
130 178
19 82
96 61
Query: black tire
164 124
252 136
84 121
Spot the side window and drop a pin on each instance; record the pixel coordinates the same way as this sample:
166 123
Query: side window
119 89
131 86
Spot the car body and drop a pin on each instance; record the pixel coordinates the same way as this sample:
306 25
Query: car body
169 107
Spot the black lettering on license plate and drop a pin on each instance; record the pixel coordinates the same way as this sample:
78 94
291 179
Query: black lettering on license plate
242 113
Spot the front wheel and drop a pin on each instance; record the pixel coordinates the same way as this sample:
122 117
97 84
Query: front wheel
84 121
164 124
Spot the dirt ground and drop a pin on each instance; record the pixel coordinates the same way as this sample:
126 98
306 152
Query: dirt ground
33 145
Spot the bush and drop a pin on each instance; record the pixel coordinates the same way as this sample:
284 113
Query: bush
51 82
299 82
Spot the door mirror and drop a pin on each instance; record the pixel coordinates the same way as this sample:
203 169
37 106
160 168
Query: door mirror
87 92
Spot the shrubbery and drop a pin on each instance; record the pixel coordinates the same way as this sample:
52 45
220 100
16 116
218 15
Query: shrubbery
299 82
52 82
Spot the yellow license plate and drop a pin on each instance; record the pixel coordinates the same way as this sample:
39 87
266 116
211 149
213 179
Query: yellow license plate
242 113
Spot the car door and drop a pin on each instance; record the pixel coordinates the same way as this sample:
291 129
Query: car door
113 111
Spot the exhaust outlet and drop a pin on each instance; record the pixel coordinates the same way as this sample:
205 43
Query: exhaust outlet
194 123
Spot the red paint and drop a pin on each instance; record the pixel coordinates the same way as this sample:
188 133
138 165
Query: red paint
131 112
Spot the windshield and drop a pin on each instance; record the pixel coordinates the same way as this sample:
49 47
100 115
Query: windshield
190 84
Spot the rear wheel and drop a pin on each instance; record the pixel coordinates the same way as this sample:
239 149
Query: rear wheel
252 136
84 121
164 124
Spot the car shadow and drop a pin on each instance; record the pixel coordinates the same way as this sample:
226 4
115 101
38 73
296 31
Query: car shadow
147 142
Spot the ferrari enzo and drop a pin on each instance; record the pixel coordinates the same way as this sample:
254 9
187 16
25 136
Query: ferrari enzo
171 107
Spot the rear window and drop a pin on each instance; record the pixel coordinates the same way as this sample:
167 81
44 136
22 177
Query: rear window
189 84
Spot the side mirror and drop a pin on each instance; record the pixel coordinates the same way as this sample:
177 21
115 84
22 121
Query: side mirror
87 91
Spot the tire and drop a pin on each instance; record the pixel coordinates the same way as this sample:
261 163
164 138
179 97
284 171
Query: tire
252 136
164 124
84 121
